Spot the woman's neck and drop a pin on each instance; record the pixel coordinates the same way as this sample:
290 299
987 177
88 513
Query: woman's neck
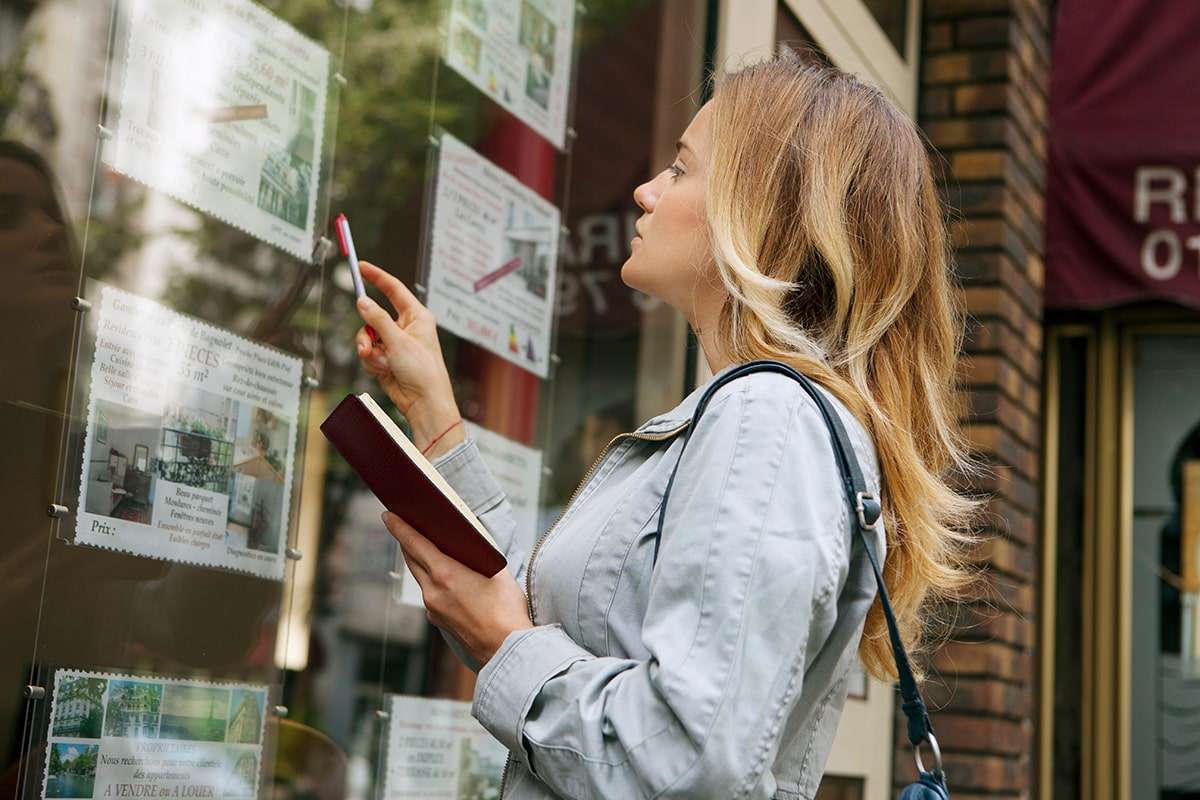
707 333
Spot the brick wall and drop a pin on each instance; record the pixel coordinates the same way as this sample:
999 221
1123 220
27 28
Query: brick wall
984 85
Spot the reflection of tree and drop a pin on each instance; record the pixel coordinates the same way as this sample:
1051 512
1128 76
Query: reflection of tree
380 124
13 77
376 133
380 120
28 114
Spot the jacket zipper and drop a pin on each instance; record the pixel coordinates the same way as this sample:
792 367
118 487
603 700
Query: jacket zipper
646 437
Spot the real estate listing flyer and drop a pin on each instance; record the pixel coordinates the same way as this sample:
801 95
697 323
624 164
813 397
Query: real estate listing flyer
493 258
517 52
222 106
437 751
152 737
190 445
518 470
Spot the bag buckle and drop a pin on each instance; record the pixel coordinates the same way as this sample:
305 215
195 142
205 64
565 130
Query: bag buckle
860 508
937 754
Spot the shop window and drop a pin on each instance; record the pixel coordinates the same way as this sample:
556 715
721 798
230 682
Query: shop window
211 573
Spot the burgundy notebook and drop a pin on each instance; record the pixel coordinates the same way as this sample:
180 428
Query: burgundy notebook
407 484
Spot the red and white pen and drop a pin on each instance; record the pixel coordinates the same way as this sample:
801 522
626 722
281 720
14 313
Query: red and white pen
346 242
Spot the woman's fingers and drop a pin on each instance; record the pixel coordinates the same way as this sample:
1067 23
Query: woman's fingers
392 287
374 315
372 357
414 546
363 342
416 568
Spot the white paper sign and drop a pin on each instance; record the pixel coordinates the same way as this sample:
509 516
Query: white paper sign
191 440
124 736
493 258
437 751
518 470
222 106
517 52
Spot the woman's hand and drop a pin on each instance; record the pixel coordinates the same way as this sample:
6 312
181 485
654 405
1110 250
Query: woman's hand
408 364
479 612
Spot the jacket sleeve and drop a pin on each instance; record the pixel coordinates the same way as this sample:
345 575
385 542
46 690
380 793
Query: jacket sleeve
753 548
464 469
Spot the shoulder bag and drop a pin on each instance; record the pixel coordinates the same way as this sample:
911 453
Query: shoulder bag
865 511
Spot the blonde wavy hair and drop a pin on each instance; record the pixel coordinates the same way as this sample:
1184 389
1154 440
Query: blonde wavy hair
829 235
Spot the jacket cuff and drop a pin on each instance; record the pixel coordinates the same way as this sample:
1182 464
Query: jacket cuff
463 468
511 679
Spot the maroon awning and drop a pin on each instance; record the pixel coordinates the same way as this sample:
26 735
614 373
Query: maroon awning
1122 199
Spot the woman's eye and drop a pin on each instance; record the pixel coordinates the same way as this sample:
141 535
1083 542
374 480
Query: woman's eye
675 170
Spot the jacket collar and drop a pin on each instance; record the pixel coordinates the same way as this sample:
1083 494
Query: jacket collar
681 414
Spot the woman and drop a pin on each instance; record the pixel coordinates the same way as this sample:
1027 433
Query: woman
799 222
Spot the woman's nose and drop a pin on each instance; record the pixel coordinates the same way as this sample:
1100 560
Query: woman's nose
645 196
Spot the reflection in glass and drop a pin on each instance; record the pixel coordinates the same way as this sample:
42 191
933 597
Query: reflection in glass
1166 491
183 620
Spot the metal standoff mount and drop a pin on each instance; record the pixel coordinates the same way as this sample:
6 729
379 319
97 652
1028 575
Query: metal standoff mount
382 714
281 711
395 575
104 132
35 692
321 250
420 288
435 141
311 382
340 78
57 511
555 358
79 304
294 554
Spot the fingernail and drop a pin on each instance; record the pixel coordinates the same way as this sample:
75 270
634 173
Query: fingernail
365 303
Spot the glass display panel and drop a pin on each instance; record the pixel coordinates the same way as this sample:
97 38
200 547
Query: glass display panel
171 169
141 289
1165 680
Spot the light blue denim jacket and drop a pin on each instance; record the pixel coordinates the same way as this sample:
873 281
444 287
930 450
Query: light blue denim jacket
719 673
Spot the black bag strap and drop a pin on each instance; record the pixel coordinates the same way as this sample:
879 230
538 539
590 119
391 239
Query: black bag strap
865 511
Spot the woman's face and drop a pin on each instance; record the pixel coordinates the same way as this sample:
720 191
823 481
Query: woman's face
670 258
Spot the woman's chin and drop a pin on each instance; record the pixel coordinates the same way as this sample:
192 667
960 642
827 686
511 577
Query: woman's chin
629 274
